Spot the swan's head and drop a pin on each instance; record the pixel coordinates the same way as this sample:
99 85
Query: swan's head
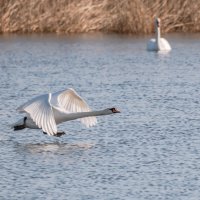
157 22
113 110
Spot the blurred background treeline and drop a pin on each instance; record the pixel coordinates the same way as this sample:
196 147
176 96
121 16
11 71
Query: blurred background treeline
78 16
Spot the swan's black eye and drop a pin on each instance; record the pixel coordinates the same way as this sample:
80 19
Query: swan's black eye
112 109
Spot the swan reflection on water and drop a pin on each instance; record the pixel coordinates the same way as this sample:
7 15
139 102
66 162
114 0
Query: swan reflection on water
57 147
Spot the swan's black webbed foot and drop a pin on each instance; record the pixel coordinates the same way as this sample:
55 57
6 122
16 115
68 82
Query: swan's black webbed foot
58 134
19 127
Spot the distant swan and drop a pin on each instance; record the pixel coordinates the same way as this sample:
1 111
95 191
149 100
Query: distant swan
158 43
48 110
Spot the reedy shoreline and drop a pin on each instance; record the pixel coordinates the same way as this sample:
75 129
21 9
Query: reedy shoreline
81 16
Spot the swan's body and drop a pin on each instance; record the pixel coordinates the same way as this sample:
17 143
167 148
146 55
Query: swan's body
46 111
158 43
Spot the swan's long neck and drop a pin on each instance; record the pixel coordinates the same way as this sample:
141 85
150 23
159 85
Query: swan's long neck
158 37
73 116
87 114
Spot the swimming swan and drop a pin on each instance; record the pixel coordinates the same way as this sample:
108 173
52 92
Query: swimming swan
158 43
48 110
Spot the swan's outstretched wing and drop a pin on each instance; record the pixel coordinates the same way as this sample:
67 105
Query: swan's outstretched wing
71 102
40 110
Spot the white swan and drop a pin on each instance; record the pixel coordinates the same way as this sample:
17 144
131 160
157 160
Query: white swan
48 110
158 43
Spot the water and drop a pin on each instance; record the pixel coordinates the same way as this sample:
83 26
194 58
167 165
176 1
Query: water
149 151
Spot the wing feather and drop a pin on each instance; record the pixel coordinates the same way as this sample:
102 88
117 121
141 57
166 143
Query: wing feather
40 110
71 102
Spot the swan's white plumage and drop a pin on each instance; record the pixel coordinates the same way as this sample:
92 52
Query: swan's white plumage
45 109
163 45
71 102
40 110
158 43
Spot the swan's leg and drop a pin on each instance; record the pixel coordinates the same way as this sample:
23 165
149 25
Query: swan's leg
45 133
60 133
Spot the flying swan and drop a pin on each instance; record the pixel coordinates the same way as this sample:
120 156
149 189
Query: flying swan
158 43
46 111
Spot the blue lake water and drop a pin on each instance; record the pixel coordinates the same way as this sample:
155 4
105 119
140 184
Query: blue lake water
151 150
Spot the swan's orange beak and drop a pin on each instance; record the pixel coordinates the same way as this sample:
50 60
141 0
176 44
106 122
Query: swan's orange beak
114 110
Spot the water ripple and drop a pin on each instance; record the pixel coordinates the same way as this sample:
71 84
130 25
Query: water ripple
149 151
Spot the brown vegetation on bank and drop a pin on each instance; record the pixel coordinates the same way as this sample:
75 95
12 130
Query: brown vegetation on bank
121 16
